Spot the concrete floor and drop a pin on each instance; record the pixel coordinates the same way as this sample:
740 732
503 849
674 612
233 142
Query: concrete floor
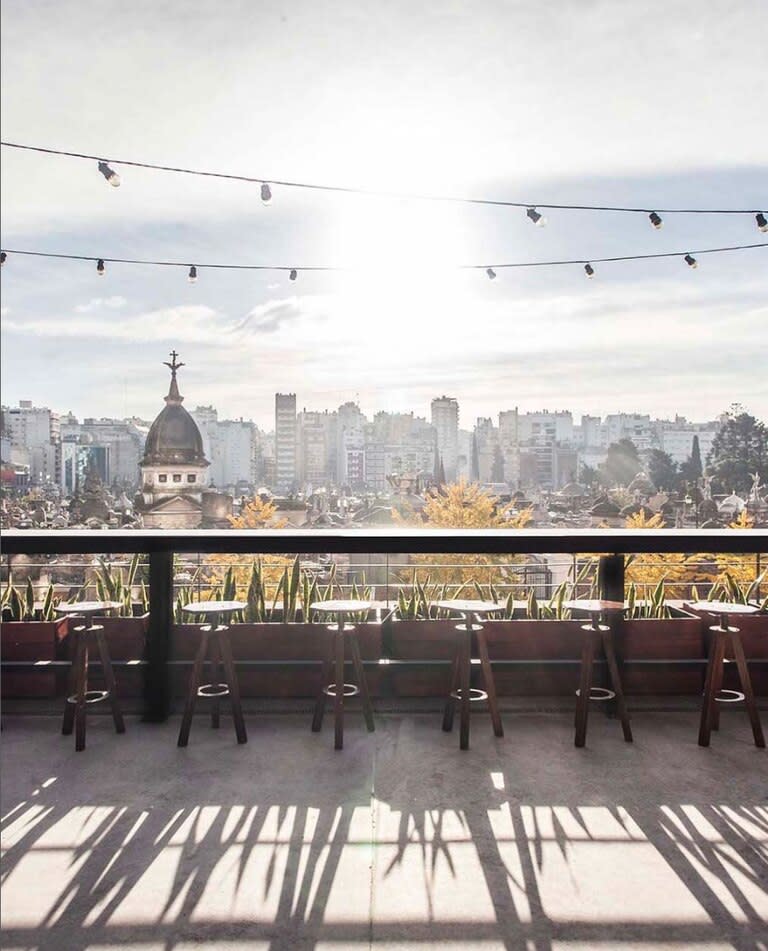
399 841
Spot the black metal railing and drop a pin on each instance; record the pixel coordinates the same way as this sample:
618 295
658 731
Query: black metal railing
612 545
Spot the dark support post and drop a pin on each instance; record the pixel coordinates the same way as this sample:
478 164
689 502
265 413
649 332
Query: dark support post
157 686
610 582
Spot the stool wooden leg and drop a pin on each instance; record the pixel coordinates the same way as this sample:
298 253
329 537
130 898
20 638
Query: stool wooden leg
582 702
82 687
450 703
325 677
464 679
613 670
214 658
194 683
109 681
362 683
717 652
68 722
234 687
746 687
490 684
717 685
338 700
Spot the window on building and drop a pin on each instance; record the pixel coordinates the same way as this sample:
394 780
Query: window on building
162 478
177 477
191 478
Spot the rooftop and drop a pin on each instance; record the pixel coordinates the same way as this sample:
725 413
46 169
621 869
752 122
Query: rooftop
400 841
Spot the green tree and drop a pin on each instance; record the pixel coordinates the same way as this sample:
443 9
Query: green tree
739 449
662 470
691 470
621 465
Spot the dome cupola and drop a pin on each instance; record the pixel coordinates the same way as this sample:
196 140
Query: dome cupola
174 438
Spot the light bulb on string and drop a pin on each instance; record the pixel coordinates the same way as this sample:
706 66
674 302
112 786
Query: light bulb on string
691 261
100 267
192 274
655 220
762 222
536 217
491 273
266 193
589 270
293 275
110 174
3 256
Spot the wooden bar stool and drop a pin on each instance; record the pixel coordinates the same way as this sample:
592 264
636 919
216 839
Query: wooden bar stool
460 691
334 661
214 644
713 684
78 694
594 634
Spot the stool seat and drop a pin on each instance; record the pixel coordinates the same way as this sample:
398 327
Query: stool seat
460 690
341 607
87 608
214 607
79 696
722 633
594 606
339 635
215 647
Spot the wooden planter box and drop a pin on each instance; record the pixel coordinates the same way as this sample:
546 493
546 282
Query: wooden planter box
301 646
670 639
557 644
30 641
421 644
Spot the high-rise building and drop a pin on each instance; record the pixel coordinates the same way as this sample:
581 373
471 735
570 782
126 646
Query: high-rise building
350 445
316 447
34 433
285 442
445 419
232 445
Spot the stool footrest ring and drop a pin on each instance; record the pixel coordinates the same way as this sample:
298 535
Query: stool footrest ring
729 696
348 690
469 627
599 693
213 690
475 694
91 696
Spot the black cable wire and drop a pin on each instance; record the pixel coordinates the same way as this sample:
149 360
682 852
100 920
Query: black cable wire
325 267
384 194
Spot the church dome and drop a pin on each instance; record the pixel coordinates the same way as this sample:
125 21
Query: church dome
174 438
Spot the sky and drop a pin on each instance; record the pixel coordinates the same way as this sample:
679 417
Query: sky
659 104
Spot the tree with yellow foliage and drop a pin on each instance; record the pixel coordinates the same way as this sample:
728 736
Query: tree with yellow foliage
464 505
647 570
255 513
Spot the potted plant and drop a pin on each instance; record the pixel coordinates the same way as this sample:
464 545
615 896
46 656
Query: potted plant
30 632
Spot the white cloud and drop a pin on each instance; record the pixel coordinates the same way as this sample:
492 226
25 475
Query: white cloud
101 303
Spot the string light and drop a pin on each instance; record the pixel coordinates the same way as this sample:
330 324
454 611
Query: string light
193 274
333 268
110 174
266 193
590 271
655 220
691 261
293 275
538 219
762 222
379 193
100 267
491 273
3 256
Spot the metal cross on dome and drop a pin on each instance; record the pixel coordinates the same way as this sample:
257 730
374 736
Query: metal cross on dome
173 365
